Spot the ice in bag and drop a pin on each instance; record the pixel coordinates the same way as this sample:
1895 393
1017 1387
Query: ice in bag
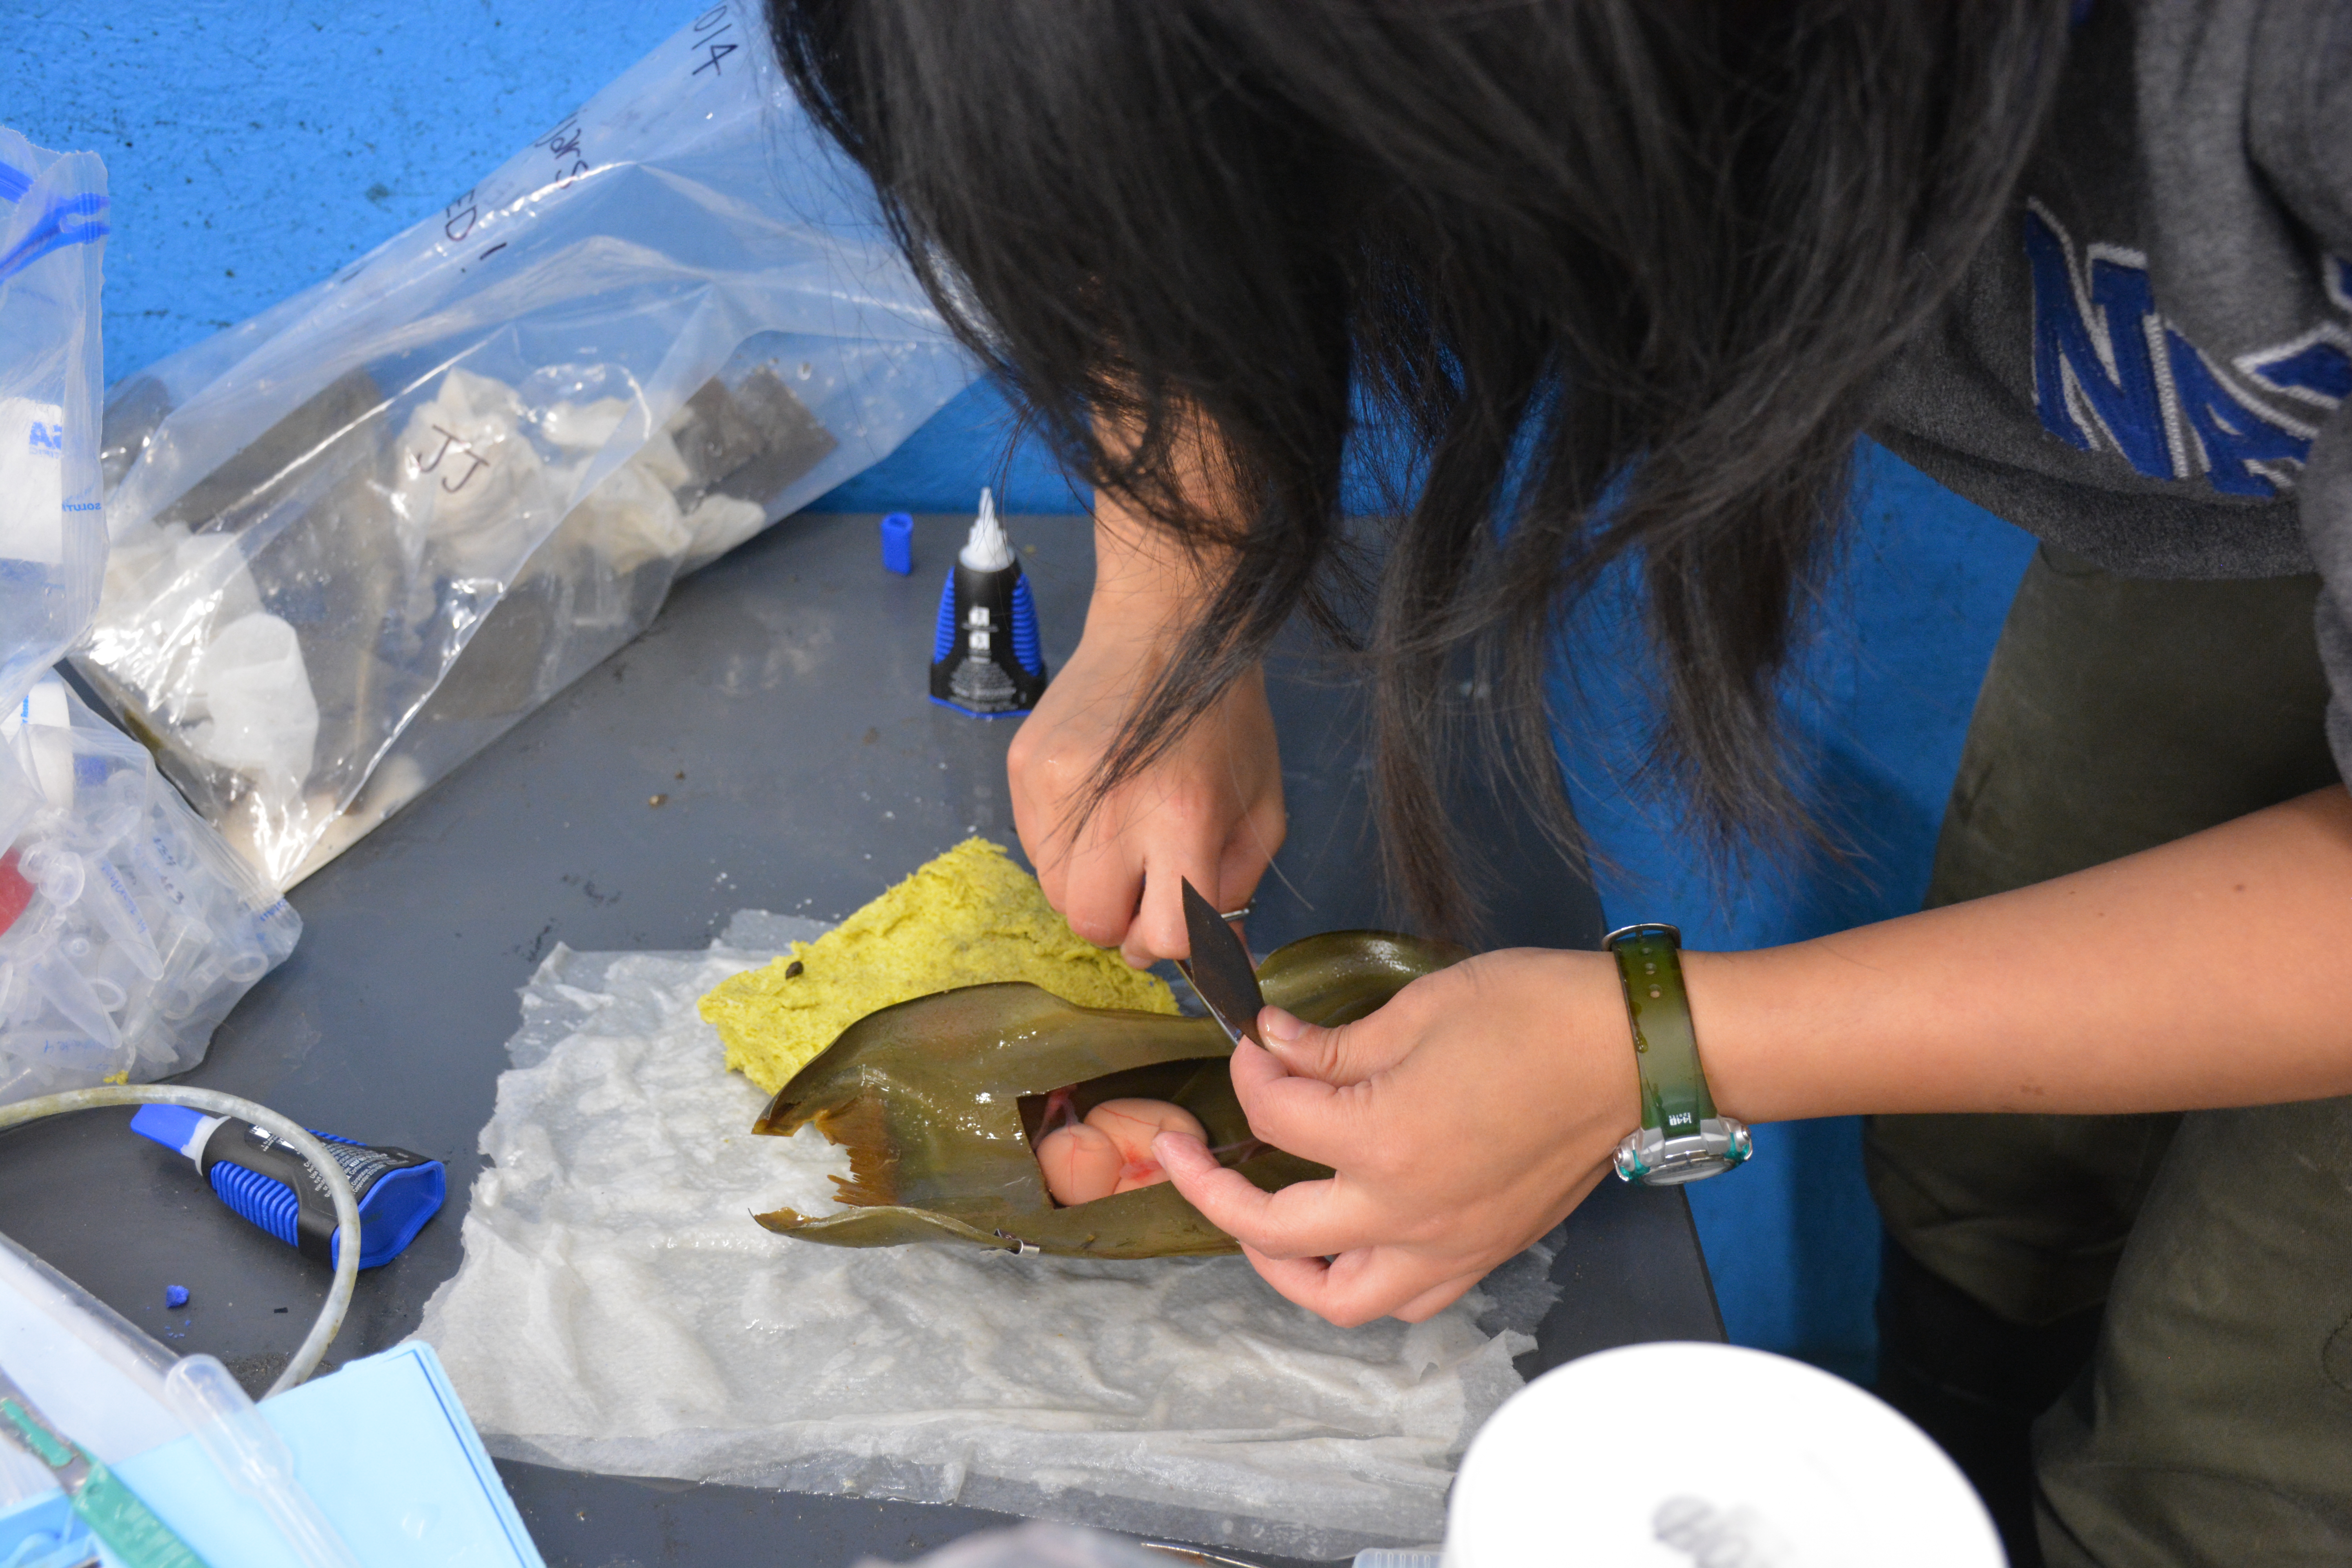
359 536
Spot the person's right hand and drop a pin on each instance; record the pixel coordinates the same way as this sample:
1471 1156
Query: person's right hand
1209 811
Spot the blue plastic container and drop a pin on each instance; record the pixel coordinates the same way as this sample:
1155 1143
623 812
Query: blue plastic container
270 1186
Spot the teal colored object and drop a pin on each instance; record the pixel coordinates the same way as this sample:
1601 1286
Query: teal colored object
384 1448
109 1510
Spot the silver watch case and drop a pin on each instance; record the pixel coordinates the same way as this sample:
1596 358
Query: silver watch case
1650 1157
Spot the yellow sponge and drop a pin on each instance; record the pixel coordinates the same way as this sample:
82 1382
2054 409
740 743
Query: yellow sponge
967 918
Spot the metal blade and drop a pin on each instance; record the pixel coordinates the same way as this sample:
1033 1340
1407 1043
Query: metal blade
1221 970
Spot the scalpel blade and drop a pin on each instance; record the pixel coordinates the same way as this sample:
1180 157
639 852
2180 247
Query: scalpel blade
1221 970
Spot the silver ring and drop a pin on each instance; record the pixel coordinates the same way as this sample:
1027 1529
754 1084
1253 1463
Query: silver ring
1240 914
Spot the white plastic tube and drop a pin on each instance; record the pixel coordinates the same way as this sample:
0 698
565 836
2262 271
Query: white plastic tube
330 1321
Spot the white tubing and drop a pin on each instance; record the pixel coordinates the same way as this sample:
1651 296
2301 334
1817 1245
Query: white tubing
330 1321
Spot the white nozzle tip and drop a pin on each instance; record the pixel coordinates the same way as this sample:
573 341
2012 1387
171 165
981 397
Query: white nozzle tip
987 550
194 1147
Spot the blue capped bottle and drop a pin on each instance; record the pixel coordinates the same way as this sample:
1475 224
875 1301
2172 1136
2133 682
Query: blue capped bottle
985 659
267 1184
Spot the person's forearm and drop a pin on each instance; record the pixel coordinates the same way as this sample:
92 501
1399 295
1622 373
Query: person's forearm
2212 972
1147 589
1147 586
1204 807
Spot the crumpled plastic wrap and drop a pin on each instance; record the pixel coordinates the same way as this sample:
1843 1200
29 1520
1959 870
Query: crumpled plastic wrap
359 536
617 1310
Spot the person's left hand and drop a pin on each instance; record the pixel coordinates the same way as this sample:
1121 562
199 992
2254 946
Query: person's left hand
1462 1122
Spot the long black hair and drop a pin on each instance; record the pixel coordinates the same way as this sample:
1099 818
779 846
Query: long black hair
1620 273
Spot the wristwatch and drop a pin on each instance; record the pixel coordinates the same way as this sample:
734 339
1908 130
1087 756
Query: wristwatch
1683 1138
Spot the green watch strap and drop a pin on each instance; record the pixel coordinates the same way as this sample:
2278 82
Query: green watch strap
1682 1137
1674 1096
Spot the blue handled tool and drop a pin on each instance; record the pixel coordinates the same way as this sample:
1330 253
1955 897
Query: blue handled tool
270 1185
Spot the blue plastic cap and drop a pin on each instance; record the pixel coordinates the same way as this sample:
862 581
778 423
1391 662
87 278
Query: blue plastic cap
170 1125
395 1210
899 544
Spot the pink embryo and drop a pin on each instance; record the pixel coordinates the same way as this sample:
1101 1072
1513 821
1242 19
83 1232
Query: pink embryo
1110 1152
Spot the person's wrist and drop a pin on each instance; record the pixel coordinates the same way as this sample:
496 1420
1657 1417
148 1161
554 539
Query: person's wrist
1125 645
1754 1029
1131 641
1581 994
1140 616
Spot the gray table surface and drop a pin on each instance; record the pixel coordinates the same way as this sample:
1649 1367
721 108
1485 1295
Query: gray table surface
778 708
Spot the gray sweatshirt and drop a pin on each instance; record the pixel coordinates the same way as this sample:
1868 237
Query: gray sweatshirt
2145 364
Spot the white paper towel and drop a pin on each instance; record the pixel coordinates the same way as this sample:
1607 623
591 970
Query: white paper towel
618 1310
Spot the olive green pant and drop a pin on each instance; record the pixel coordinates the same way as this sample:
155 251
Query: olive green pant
2213 1424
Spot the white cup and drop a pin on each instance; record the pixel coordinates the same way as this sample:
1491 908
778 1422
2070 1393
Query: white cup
1705 1455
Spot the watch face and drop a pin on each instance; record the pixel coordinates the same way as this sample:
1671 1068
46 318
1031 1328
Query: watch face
1655 1160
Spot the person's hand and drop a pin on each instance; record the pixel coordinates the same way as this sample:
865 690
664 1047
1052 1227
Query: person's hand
1462 1120
1209 811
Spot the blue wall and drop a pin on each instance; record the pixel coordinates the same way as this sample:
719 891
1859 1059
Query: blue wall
256 145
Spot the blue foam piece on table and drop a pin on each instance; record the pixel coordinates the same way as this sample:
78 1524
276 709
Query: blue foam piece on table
383 1446
899 544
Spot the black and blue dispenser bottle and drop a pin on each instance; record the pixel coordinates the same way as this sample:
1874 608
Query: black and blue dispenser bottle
985 660
270 1185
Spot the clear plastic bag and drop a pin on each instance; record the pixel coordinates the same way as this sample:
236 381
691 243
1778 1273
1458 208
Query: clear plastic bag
359 536
126 928
52 542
